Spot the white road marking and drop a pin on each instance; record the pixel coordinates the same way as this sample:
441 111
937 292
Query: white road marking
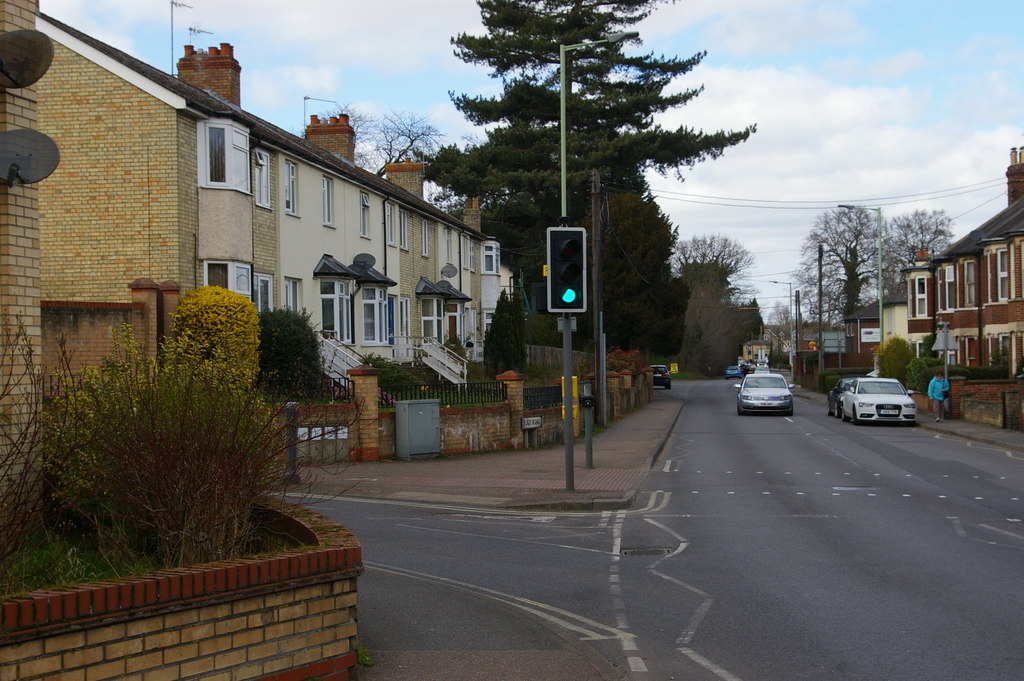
709 665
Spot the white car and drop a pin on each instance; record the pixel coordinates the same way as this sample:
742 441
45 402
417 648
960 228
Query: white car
878 399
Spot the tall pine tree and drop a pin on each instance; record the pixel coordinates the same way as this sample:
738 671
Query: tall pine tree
612 101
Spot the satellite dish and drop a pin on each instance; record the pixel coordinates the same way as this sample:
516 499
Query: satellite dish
24 57
364 260
449 271
27 156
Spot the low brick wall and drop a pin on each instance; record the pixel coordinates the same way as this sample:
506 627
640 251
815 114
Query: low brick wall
982 412
289 616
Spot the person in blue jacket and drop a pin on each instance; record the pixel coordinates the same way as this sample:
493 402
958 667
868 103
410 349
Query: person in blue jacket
938 391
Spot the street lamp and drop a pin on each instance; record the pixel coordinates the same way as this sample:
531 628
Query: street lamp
562 51
792 320
881 318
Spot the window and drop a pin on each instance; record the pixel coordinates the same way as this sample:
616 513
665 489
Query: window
472 255
403 317
389 223
948 288
291 188
262 292
364 214
327 199
463 252
488 319
336 310
225 150
292 300
261 183
425 238
490 255
447 244
920 297
375 314
1003 272
431 315
403 229
969 283
234 276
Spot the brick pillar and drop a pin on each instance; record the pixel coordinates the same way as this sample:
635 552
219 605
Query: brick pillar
471 213
627 388
147 293
648 382
614 396
956 389
1015 176
365 436
170 295
515 384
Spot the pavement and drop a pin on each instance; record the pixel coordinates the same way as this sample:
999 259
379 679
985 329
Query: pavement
537 479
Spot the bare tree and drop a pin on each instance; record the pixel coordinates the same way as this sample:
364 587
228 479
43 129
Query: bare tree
715 259
392 137
905 236
848 241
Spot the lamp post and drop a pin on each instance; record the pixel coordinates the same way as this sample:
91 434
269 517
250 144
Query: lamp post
878 247
792 319
563 50
567 432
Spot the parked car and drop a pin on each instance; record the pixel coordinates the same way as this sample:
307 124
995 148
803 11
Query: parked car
764 392
835 395
878 400
733 372
662 376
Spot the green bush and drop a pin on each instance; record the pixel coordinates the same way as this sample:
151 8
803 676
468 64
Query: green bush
828 378
165 459
289 354
893 357
390 373
218 325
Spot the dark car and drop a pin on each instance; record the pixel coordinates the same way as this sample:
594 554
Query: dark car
662 376
835 395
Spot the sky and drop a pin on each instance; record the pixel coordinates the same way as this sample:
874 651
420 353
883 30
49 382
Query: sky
901 105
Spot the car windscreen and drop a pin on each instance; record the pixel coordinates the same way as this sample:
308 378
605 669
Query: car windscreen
880 388
765 382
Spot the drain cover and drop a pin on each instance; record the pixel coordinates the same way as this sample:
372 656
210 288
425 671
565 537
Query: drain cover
646 551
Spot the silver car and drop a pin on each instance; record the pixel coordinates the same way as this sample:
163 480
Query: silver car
764 392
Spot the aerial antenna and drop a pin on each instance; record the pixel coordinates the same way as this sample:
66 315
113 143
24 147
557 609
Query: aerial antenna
194 31
306 98
175 3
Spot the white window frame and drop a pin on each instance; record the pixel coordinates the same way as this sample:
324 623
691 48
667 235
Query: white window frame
389 223
970 284
404 316
261 182
920 297
336 296
292 294
224 164
949 287
403 229
374 304
263 292
489 256
291 188
472 255
238 275
327 199
425 237
364 214
448 244
432 318
1003 273
463 252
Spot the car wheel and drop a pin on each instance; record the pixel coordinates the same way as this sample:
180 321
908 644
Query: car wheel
740 412
839 410
845 417
789 413
856 421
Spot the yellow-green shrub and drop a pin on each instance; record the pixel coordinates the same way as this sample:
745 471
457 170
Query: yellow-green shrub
220 326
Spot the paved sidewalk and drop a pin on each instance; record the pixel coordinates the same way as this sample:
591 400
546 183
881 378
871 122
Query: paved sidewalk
519 479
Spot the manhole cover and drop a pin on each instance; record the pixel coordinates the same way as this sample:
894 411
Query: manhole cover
646 551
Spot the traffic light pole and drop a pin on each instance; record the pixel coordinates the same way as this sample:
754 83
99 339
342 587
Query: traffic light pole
567 399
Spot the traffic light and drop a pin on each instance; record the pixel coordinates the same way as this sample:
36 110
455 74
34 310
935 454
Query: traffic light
567 269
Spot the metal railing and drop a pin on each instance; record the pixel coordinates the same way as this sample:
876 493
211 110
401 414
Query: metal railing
539 398
489 392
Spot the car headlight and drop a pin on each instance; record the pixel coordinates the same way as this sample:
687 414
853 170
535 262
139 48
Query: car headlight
910 404
864 405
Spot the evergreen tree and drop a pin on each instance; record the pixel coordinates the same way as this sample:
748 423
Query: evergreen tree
645 305
504 344
611 102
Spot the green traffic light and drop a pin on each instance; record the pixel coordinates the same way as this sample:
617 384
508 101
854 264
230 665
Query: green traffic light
569 295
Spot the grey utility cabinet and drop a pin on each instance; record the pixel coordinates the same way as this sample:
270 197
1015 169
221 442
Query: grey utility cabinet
417 429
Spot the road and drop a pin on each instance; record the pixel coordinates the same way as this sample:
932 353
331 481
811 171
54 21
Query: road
764 548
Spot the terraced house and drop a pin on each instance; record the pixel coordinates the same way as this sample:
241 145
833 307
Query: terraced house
167 184
977 285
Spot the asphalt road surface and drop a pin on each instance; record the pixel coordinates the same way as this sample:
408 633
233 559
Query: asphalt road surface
764 548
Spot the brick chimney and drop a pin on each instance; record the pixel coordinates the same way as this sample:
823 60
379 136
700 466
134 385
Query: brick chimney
471 213
333 134
1015 176
215 70
407 175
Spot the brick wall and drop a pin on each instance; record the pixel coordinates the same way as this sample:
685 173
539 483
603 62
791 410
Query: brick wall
288 616
87 329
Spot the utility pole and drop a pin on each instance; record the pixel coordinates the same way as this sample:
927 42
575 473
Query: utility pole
597 295
821 336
